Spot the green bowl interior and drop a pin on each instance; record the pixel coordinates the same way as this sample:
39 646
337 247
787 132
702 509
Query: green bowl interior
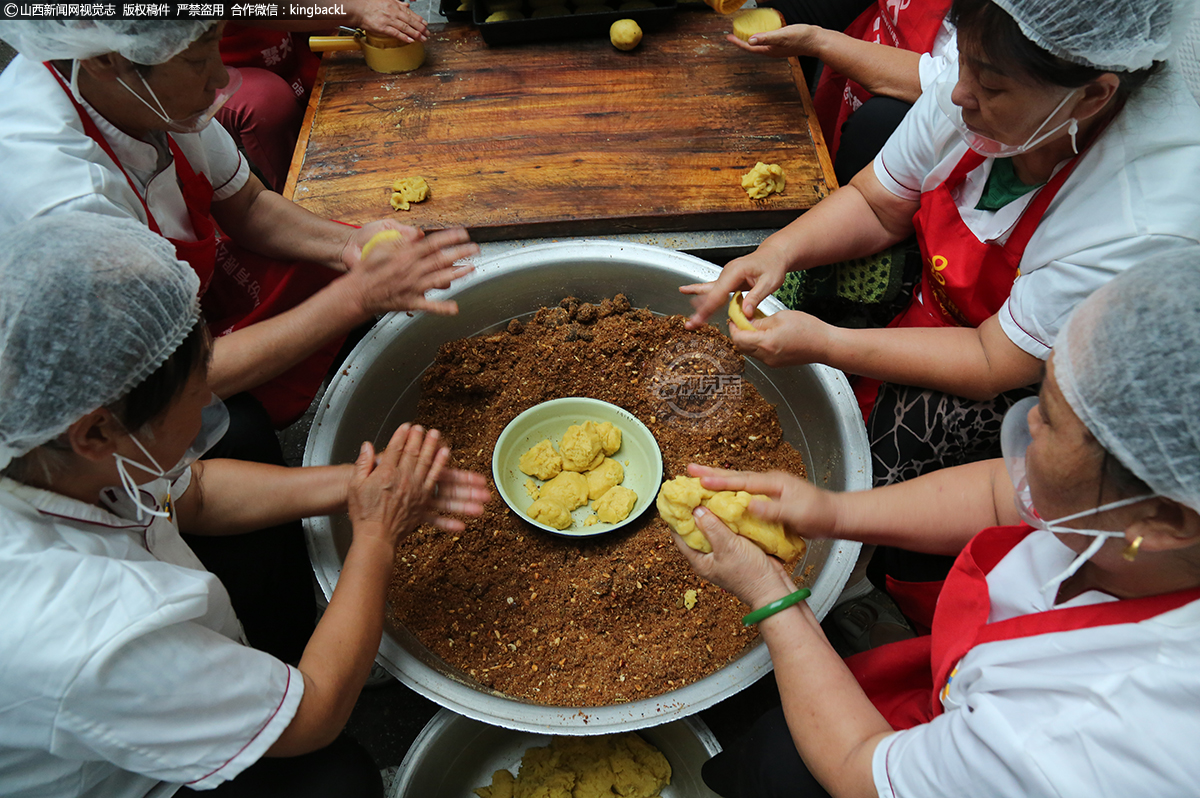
639 455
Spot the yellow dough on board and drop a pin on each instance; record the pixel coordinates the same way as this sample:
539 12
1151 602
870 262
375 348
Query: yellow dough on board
625 34
764 180
408 190
678 497
756 20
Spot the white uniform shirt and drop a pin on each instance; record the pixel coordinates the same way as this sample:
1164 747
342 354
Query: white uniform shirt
1129 199
1105 712
62 169
121 670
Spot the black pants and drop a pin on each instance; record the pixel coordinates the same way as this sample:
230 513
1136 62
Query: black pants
763 764
267 572
343 769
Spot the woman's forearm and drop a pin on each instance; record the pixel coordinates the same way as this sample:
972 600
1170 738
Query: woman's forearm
229 497
878 68
936 513
264 222
978 363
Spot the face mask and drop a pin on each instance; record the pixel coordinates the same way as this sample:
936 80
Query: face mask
988 147
192 124
1015 439
214 422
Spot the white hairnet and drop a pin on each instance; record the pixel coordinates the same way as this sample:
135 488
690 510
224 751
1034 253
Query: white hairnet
1128 363
1113 35
141 41
91 306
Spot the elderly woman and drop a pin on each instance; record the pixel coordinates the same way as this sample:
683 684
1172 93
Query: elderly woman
1043 159
1043 166
124 668
1065 654
116 121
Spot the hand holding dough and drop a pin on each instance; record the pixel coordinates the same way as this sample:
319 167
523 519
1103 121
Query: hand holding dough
756 20
680 496
738 316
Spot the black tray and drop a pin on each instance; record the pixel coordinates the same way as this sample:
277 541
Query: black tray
569 26
449 10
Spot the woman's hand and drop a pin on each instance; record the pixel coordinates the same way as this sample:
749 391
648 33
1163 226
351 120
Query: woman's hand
358 238
791 41
762 271
787 338
734 563
803 508
388 18
458 491
397 274
388 498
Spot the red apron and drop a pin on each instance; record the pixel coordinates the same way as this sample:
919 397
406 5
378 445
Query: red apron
237 287
964 281
905 24
283 53
907 680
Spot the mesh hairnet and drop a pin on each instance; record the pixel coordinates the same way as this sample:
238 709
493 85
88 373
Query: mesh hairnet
141 41
1128 363
1113 35
90 307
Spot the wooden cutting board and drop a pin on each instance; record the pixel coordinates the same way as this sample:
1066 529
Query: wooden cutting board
564 139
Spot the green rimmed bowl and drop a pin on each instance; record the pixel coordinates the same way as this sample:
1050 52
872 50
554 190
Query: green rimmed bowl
639 455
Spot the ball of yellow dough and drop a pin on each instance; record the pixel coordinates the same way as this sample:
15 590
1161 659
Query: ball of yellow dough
615 505
580 448
607 475
550 513
769 536
625 34
379 238
756 20
676 500
570 489
542 461
610 436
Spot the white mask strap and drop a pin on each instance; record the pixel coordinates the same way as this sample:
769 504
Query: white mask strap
131 487
1078 562
160 112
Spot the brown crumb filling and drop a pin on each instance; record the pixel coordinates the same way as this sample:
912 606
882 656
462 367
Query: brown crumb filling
591 621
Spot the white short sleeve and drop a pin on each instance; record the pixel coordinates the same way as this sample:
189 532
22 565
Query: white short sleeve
180 703
212 151
921 152
1042 300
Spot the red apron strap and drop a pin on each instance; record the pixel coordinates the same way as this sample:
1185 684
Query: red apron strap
90 127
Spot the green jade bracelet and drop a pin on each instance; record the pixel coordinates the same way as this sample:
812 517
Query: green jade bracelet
775 606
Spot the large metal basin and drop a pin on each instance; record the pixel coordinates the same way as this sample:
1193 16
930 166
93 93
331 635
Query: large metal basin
378 390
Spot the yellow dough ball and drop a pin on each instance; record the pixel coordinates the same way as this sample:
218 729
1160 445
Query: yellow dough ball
756 20
606 475
580 448
676 500
625 34
764 180
615 505
570 489
408 190
610 436
542 461
550 513
770 536
379 238
738 316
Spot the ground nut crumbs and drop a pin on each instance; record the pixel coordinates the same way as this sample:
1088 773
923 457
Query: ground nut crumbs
590 621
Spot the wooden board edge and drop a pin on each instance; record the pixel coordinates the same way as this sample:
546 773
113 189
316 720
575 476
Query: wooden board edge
814 126
314 99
